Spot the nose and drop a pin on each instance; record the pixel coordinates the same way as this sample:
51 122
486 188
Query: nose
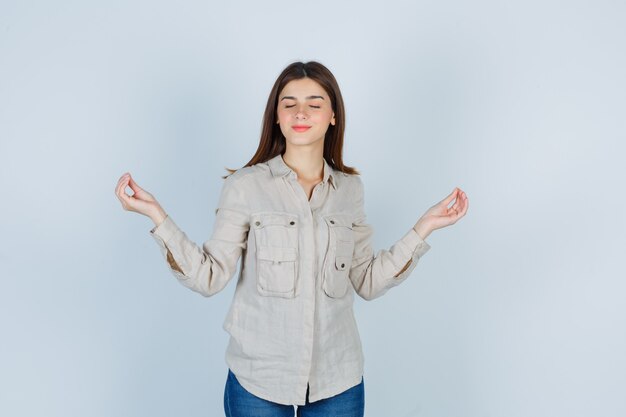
300 113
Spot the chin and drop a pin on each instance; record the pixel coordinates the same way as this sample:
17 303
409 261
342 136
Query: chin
300 141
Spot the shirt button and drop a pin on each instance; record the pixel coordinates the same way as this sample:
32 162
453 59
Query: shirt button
257 223
332 222
292 222
342 265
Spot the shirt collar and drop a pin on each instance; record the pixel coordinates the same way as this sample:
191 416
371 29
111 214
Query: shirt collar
279 168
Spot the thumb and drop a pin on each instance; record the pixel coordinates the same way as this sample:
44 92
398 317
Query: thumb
449 198
133 185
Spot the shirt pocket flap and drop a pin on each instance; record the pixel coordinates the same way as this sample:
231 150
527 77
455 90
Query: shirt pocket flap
337 220
342 262
275 253
261 220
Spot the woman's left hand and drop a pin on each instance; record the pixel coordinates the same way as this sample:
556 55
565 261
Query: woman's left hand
440 215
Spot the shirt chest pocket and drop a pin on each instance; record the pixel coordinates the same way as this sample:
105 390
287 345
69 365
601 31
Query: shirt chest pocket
276 238
339 255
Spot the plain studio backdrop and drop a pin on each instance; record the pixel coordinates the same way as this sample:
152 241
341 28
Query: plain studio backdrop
517 310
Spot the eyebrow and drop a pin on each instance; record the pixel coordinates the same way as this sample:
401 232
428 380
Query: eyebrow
308 98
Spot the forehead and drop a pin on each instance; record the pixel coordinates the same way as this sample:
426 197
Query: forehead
302 88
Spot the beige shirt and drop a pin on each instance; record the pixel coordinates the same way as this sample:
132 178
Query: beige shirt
291 321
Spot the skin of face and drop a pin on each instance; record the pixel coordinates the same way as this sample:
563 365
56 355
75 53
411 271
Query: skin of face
304 102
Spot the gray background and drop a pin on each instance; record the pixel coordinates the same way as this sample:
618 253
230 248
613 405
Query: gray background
517 310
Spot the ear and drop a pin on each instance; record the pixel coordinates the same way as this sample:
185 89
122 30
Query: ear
332 121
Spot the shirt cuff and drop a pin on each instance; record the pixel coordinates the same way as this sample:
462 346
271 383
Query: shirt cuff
414 243
165 230
413 248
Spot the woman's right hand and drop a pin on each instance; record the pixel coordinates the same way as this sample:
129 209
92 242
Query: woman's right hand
141 201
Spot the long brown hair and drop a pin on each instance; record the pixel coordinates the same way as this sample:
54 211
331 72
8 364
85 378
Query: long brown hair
272 140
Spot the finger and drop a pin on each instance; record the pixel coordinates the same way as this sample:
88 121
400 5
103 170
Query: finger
119 185
118 192
457 203
119 182
124 176
460 200
462 207
122 192
465 205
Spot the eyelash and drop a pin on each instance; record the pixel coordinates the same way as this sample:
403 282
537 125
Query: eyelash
315 107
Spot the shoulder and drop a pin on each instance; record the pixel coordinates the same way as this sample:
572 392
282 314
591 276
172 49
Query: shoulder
350 182
245 174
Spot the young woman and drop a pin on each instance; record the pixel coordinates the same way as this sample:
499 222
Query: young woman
295 215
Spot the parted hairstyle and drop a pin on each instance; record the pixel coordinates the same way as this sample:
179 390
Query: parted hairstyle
272 140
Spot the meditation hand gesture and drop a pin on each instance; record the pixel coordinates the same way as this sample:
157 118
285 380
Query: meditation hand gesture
440 215
141 201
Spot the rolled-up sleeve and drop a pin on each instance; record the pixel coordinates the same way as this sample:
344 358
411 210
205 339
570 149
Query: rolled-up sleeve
372 275
207 269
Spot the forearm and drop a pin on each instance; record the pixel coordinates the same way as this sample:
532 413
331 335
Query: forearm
205 269
422 229
374 272
158 216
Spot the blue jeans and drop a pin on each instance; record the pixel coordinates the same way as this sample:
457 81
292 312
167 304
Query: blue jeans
240 403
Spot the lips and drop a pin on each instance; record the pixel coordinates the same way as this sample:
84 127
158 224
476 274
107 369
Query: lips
301 128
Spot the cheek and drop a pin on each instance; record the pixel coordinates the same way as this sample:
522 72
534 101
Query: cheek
324 117
283 111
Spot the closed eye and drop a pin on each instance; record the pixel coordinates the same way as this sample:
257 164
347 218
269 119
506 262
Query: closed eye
315 107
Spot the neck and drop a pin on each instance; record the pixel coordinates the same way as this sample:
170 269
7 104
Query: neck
308 164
